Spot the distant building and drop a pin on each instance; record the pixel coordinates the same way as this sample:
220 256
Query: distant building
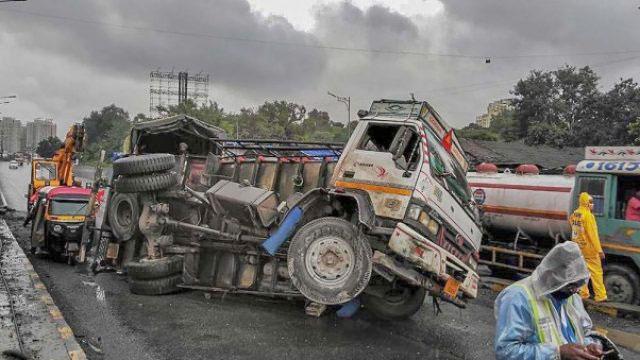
10 135
37 130
494 109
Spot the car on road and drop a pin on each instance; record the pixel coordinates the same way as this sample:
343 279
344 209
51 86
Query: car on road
13 164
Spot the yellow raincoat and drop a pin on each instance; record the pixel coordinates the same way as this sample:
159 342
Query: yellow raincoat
584 231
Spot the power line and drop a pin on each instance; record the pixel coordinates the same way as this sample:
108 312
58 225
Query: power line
320 46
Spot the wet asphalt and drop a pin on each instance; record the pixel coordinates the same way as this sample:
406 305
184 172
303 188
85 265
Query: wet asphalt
111 323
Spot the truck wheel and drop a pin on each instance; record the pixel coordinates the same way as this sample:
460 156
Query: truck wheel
155 269
395 303
329 261
124 212
143 164
143 183
622 284
166 285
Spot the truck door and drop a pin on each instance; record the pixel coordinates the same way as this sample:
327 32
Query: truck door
385 163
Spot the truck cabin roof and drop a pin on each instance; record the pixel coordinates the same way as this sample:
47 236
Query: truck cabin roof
421 111
165 135
69 192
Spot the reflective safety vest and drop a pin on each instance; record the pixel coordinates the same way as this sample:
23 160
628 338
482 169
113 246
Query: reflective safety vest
547 319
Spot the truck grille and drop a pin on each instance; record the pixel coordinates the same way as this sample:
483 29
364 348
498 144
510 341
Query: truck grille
455 244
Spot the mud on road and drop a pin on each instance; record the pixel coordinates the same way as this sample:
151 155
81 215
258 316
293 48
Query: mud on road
112 323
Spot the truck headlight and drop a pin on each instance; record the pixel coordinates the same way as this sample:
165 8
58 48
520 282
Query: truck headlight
433 227
57 228
429 223
414 212
473 263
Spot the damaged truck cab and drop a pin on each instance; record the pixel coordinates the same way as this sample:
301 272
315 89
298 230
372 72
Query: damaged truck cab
387 219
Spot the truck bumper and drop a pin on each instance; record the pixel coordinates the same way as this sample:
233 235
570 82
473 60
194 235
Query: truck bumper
433 259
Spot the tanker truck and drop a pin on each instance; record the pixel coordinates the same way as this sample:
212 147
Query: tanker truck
525 213
386 219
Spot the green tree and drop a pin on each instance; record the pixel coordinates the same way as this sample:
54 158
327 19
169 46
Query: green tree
554 107
505 125
617 112
105 130
476 132
47 147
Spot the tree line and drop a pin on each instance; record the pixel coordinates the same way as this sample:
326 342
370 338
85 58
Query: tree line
107 128
566 107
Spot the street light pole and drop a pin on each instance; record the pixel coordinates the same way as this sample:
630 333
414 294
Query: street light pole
347 101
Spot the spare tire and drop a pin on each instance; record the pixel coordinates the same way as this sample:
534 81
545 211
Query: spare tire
124 213
155 269
143 164
144 183
166 285
329 261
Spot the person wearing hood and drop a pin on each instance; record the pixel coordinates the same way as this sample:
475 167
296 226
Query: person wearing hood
542 316
584 232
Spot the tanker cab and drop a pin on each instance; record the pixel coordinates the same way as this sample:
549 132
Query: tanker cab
383 159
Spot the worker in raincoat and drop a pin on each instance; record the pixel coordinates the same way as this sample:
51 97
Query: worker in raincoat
584 231
542 316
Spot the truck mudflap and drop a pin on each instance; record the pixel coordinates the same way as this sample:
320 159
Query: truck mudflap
433 259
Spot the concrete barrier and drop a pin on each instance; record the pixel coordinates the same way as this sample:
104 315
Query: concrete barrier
40 324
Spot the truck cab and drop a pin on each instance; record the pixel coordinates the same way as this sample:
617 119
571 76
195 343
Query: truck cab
611 175
398 158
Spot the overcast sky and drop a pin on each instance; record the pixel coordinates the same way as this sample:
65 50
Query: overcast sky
65 58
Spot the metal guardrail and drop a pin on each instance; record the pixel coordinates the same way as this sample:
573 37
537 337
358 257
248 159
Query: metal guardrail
521 255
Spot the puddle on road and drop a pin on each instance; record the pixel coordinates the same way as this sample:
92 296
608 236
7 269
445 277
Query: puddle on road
100 293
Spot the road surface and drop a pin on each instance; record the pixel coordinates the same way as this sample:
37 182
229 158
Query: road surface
111 323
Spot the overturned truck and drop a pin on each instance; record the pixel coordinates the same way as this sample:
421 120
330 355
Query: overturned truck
386 219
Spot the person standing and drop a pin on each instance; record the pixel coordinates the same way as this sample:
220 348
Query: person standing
542 317
584 232
633 208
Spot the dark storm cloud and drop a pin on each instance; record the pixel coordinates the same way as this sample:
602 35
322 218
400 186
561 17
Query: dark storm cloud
246 73
250 66
567 26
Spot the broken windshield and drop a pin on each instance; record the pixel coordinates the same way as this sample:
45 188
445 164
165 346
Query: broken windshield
444 166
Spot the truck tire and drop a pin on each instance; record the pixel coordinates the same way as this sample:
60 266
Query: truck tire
143 164
124 213
155 269
622 283
329 261
145 183
395 304
162 286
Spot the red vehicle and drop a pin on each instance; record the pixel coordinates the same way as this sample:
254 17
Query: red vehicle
58 218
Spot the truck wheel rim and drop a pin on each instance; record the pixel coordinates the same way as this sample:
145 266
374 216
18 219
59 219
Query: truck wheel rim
125 214
619 289
330 261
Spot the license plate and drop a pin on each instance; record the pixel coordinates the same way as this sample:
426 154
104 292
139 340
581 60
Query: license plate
451 287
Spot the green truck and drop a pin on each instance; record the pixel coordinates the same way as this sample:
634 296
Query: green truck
525 213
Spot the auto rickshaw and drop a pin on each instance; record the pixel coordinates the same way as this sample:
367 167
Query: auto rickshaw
58 216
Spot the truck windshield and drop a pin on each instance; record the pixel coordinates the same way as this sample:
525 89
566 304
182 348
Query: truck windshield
444 166
68 207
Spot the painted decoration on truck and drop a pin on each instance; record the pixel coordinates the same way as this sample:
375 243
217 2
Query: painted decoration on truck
612 153
609 167
479 196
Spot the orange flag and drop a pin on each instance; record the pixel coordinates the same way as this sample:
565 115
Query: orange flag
447 140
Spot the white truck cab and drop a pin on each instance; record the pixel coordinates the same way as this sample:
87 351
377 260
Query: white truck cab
398 155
